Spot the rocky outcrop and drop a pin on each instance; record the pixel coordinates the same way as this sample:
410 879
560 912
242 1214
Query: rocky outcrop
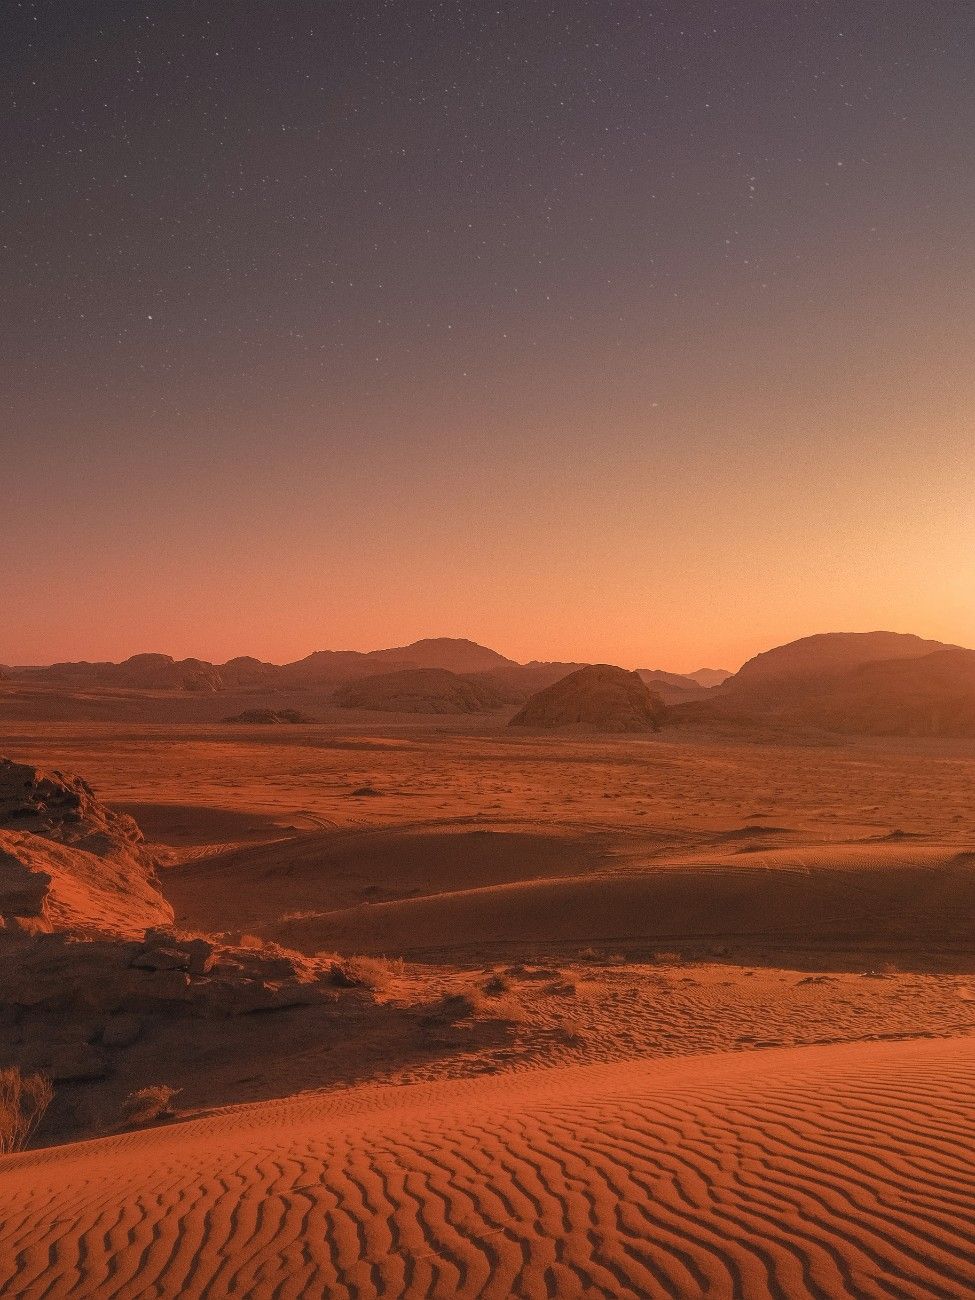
67 862
109 985
69 1006
597 698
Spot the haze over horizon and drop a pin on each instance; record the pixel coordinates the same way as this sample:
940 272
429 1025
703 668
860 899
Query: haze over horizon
605 333
649 663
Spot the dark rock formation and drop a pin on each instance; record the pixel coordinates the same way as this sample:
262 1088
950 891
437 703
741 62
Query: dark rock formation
597 698
69 862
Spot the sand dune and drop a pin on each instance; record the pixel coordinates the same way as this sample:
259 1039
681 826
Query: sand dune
881 911
441 889
251 887
831 1172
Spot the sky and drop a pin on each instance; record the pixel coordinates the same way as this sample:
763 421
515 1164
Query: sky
629 331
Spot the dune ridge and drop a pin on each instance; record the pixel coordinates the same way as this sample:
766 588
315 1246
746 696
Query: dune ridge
841 1171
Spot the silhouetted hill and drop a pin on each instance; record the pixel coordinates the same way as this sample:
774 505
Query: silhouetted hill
518 682
828 653
710 676
673 688
330 668
420 690
599 697
455 654
321 670
826 683
931 695
139 672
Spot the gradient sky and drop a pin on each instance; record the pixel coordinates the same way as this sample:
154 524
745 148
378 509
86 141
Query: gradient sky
618 330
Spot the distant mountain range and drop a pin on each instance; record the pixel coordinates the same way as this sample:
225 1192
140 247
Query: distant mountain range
509 681
879 683
874 683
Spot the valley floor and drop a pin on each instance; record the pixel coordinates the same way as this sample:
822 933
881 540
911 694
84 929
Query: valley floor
669 1017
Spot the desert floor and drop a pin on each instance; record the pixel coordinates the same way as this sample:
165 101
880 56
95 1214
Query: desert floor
681 1016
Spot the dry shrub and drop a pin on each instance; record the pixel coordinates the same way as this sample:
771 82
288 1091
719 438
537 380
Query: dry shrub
24 1099
477 1004
149 1104
571 1032
373 973
377 973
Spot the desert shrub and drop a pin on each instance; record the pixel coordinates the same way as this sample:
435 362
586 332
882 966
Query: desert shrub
571 1032
24 1099
373 973
146 1105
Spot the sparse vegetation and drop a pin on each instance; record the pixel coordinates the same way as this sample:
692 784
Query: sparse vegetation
251 941
373 973
570 1031
24 1099
147 1105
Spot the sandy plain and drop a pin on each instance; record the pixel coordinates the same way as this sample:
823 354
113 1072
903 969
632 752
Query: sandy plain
678 1016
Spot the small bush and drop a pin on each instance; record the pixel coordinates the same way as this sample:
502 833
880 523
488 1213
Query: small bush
149 1104
373 973
24 1099
570 1031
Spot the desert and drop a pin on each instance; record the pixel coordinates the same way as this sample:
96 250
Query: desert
474 1003
487 650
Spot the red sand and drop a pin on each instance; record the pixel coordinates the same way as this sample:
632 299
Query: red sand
835 1171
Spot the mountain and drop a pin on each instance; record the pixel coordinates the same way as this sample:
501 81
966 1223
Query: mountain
420 690
668 679
139 672
872 683
330 668
673 688
926 695
518 682
455 654
827 654
599 697
321 669
710 676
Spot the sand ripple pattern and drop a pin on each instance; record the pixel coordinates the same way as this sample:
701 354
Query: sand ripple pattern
839 1171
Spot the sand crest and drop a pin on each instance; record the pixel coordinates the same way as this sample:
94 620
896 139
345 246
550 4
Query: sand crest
834 1171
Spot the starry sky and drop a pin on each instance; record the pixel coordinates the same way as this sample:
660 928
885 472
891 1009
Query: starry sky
631 330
